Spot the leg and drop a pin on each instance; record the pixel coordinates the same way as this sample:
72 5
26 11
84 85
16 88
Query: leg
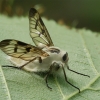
69 82
20 66
27 63
40 61
10 66
77 72
46 77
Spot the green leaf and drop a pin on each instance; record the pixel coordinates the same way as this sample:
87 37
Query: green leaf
83 47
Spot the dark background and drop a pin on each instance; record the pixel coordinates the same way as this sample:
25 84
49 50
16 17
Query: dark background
72 13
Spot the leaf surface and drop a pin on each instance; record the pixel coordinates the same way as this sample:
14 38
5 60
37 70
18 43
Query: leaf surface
83 47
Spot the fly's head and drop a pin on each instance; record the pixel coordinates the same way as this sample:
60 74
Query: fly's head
59 57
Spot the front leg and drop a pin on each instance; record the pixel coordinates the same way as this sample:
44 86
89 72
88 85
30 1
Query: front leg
50 70
46 78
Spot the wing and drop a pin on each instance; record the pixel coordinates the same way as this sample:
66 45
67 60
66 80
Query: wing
38 31
21 50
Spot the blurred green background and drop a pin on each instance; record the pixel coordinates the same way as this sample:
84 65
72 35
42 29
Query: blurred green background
72 13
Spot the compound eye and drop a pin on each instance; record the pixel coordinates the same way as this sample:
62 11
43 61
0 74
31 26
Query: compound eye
65 56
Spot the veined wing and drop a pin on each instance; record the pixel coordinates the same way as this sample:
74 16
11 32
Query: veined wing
38 31
21 50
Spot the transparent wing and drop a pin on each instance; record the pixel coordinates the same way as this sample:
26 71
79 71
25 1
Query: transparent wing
21 50
38 31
